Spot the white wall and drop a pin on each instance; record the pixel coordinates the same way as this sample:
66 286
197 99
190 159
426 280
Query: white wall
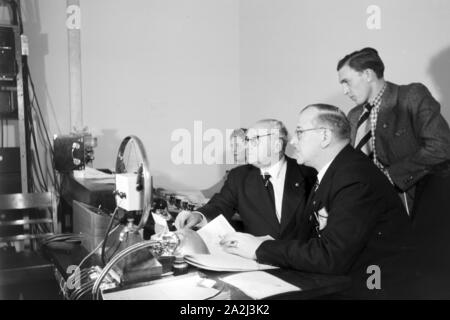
148 68
289 50
152 66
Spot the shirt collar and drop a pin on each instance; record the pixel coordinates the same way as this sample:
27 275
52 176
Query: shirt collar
377 100
322 171
275 169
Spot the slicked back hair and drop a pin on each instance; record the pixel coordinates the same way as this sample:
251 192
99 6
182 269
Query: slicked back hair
363 59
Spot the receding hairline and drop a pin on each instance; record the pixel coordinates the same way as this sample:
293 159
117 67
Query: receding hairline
267 124
332 110
330 115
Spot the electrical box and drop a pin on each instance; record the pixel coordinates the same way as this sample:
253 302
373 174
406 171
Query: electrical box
127 195
10 170
73 151
92 224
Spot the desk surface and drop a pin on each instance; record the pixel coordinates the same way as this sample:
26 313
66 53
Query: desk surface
312 285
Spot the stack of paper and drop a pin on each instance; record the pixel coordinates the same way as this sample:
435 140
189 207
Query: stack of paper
188 287
219 260
94 174
224 262
259 284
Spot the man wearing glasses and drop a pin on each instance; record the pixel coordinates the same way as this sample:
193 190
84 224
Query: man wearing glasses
358 218
269 193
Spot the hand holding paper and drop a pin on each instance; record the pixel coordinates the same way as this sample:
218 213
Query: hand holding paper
242 244
189 219
217 231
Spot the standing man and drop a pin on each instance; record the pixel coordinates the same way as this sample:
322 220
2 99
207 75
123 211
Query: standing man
268 193
401 128
358 219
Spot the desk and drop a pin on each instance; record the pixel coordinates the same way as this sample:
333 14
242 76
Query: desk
312 285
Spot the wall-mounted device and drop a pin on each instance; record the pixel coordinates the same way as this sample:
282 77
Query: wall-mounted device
73 151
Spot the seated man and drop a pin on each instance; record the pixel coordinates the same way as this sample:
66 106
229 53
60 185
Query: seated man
269 192
357 218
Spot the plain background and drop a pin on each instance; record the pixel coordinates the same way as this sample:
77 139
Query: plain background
150 67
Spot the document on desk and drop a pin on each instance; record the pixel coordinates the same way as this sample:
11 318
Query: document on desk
213 232
225 262
259 284
218 259
94 175
187 287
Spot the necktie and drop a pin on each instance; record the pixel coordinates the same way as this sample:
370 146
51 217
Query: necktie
363 133
313 191
269 187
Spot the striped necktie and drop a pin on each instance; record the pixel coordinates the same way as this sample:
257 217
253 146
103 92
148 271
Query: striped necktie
363 133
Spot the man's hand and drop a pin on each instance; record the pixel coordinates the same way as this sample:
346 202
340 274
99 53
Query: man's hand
242 244
188 219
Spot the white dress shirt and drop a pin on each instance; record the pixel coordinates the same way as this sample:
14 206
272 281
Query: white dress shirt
277 177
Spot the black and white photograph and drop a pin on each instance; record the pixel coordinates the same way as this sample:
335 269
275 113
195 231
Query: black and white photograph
218 155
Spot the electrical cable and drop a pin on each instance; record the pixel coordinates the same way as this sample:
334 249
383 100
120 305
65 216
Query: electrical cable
35 167
122 254
32 134
82 272
96 248
37 157
105 240
37 109
117 247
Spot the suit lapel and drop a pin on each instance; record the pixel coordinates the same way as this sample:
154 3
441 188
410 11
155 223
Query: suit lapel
322 192
386 115
388 102
358 112
293 194
256 190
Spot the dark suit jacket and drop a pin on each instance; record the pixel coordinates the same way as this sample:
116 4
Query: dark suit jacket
366 224
411 135
244 192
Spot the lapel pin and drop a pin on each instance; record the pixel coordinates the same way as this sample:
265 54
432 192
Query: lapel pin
296 184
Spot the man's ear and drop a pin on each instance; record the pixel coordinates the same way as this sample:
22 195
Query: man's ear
368 75
326 138
278 145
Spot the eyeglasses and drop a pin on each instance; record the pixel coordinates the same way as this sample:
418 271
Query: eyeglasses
299 132
254 140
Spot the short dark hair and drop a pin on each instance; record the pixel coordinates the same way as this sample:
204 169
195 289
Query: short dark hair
332 117
363 59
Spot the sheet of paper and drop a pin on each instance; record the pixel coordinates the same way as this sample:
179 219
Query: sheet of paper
91 173
189 287
225 262
218 259
259 284
213 232
160 223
